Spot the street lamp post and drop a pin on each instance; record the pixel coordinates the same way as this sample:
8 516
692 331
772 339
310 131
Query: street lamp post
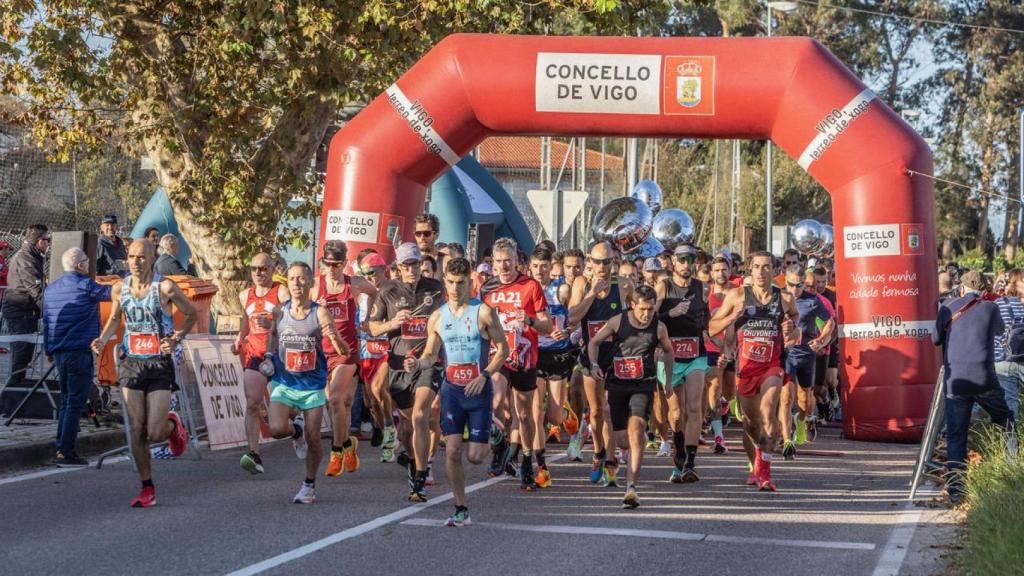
781 7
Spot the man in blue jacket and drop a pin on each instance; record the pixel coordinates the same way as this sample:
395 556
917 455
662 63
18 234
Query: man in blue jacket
71 321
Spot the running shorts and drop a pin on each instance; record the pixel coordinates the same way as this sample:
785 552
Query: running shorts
298 399
458 410
680 370
403 385
336 360
146 374
555 364
820 367
625 403
250 362
801 369
368 368
523 381
749 385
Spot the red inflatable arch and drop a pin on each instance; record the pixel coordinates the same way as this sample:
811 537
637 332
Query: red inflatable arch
791 90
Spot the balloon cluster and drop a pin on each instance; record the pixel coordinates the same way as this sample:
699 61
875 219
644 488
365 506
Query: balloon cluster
638 227
812 238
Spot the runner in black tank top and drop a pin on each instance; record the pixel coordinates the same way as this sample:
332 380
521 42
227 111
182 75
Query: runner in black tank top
630 381
591 304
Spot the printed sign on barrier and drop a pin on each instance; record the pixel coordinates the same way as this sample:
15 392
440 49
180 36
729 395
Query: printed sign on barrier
218 376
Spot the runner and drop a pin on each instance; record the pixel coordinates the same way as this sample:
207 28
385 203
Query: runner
339 293
814 331
763 319
522 310
464 326
572 268
721 367
827 384
373 356
258 304
401 311
633 337
684 312
592 304
146 371
554 362
298 365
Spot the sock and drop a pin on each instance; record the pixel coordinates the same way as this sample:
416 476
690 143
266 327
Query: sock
336 448
541 460
691 456
347 444
461 508
310 482
716 427
514 451
527 461
678 454
600 455
296 431
148 483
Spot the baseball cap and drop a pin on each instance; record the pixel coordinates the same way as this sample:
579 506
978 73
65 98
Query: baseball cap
408 251
372 260
109 219
652 265
685 250
484 268
334 251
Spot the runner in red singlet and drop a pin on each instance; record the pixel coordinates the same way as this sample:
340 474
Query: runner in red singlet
722 368
339 293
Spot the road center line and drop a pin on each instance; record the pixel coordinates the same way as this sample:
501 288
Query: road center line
662 534
899 541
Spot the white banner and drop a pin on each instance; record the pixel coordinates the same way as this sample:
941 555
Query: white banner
598 83
218 375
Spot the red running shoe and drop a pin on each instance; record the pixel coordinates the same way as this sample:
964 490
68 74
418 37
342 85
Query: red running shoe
146 498
755 474
765 483
178 441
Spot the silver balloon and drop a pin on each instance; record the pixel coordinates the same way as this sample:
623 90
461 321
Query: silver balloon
649 193
806 236
673 227
828 249
649 249
625 222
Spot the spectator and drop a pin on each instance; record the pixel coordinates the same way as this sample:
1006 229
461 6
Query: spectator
5 255
153 235
24 301
71 321
429 267
483 274
945 286
455 250
426 229
966 328
111 254
1010 367
167 263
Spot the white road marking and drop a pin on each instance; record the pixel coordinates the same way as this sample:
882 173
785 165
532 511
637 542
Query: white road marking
662 534
899 542
53 471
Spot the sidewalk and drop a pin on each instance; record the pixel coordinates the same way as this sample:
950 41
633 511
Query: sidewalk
29 442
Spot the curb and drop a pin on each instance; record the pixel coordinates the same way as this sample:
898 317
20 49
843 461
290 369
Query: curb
42 453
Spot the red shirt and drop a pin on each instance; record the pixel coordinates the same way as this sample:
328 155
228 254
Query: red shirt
255 308
523 293
715 301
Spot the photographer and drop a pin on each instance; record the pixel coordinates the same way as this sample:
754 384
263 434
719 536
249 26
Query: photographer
24 299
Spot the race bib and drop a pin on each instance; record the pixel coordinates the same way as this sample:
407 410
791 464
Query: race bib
377 347
415 328
628 368
757 350
338 310
300 360
462 374
593 327
143 344
685 348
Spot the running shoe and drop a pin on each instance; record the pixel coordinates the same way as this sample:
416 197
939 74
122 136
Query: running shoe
543 478
430 475
596 466
349 456
755 469
419 490
764 483
690 475
737 414
720 445
334 464
70 461
571 422
459 518
575 448
251 463
387 445
631 501
377 438
665 449
177 442
306 495
788 450
676 477
497 467
554 434
299 444
652 444
526 481
497 434
610 476
146 498
812 430
801 432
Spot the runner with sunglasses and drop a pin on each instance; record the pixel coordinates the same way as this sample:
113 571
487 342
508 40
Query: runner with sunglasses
427 230
258 304
592 304
684 312
339 293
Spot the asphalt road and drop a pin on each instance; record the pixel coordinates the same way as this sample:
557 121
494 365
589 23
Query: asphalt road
840 515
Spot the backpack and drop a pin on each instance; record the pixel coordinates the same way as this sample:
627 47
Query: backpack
1013 345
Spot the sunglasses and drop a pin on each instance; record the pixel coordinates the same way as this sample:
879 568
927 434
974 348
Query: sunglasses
689 259
601 261
259 269
335 264
424 233
797 285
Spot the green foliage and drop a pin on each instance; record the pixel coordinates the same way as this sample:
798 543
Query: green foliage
974 259
994 543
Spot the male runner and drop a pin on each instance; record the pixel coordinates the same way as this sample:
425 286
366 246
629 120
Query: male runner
763 319
684 312
555 361
373 357
522 310
573 261
401 311
634 336
464 326
722 368
828 391
146 372
296 352
258 304
339 294
814 331
592 304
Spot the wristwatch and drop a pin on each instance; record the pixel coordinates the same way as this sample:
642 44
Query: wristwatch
485 374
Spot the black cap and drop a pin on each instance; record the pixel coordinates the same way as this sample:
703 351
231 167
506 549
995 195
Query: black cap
109 219
334 251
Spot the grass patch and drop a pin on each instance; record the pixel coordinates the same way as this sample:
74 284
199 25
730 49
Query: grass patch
994 542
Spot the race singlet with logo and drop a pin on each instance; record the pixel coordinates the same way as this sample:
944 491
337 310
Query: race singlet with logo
145 322
632 355
601 310
260 309
759 332
300 363
370 347
559 315
686 331
464 345
526 295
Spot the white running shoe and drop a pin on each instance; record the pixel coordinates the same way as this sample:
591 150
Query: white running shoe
306 495
299 444
665 450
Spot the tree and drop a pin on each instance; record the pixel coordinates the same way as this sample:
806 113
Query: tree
231 98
